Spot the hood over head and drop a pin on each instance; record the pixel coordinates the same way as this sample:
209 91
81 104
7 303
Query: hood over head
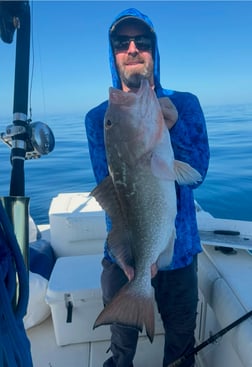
133 14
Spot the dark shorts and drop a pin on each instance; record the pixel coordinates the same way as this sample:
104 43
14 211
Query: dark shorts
176 294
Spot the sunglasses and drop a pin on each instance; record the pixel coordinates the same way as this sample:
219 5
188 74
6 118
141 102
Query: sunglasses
121 43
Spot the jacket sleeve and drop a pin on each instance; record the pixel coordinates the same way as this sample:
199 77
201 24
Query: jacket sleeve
189 134
95 137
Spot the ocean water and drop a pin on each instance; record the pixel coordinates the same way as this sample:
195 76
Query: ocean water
226 192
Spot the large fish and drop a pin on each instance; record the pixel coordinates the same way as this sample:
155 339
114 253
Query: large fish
139 196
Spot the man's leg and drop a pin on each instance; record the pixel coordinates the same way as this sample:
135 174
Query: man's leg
123 339
176 293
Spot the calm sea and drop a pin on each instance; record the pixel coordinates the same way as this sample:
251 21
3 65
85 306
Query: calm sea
226 192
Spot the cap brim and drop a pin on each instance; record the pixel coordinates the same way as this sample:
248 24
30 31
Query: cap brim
127 19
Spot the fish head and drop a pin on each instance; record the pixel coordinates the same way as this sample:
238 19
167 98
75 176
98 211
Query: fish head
133 122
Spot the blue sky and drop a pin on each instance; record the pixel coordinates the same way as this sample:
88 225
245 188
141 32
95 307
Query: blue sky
205 48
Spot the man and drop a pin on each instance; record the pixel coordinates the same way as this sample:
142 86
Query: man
133 55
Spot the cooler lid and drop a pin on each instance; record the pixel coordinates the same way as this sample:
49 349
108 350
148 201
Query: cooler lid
76 275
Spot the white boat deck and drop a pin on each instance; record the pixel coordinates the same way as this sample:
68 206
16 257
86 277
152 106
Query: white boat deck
46 353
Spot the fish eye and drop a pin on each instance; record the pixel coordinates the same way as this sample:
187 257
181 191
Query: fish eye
108 123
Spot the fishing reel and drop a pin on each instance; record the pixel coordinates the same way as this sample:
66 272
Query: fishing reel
35 138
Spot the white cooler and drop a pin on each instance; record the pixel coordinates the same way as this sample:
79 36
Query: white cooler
75 299
77 225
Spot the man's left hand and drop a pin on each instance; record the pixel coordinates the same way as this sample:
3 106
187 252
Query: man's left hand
170 112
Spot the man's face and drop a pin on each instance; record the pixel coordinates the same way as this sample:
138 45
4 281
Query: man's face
134 58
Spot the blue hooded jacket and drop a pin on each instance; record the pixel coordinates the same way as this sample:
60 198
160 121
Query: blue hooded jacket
189 141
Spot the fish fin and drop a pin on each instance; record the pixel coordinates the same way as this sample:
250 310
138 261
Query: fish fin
165 257
119 238
119 246
161 169
106 196
131 309
185 174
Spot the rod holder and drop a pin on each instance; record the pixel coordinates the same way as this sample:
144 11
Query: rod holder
17 209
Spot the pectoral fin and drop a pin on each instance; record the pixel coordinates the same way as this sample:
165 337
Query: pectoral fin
185 174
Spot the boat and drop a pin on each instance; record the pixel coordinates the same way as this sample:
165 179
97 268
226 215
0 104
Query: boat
76 232
64 303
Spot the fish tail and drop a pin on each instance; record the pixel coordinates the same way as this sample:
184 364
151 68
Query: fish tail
129 308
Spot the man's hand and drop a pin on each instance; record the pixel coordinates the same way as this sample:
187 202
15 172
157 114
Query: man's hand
170 112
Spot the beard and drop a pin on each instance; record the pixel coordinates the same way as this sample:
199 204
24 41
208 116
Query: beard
133 81
132 78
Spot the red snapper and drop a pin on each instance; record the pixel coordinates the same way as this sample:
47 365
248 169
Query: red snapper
139 196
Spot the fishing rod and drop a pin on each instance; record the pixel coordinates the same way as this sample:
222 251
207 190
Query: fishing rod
15 346
27 140
16 17
210 340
